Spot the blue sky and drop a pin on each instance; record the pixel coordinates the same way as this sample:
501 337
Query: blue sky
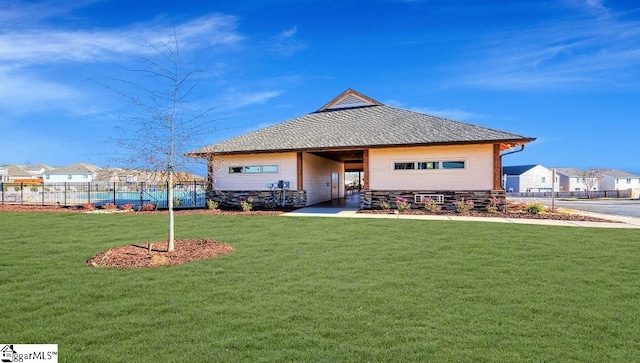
564 71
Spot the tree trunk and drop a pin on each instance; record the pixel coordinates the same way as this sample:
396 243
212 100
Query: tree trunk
170 243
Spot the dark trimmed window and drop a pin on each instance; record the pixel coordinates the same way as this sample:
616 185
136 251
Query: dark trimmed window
253 169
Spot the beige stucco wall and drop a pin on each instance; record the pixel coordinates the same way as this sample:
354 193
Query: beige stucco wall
477 175
316 180
287 170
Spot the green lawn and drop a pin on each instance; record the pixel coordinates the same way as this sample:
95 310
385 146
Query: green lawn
323 290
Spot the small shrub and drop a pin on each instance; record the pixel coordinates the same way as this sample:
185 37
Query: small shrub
177 201
463 206
430 205
126 207
246 204
492 206
212 204
109 206
536 208
148 207
88 206
384 205
402 204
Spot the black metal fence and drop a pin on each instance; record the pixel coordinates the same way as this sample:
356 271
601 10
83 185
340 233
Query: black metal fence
185 194
620 194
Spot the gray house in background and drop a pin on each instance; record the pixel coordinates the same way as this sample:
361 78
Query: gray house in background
619 180
527 178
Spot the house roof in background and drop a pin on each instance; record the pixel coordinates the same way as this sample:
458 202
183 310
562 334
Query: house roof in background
75 169
571 172
517 169
353 120
17 171
620 174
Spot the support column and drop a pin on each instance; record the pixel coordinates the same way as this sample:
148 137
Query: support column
299 170
210 173
365 169
497 168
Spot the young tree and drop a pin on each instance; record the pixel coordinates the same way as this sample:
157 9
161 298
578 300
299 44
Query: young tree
167 126
590 178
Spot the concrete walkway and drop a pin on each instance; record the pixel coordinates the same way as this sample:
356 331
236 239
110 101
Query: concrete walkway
624 222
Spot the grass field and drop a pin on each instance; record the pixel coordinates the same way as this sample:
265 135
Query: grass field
323 290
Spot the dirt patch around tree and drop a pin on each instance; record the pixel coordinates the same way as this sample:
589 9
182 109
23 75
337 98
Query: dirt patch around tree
139 256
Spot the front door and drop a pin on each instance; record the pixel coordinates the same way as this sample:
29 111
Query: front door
335 192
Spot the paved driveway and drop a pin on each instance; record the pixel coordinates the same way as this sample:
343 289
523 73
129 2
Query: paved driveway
618 207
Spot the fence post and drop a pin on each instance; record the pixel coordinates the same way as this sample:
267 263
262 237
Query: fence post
65 194
114 193
42 186
2 191
21 193
89 192
141 193
195 193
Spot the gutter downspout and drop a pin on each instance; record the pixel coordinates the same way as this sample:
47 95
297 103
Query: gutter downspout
502 165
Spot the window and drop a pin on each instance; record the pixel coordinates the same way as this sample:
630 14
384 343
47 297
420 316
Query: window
543 179
85 176
453 165
404 166
629 181
69 176
254 169
428 165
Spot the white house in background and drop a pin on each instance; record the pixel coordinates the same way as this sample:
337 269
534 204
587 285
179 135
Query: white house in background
527 178
79 172
18 174
572 179
619 180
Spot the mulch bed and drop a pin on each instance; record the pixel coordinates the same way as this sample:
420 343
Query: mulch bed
137 255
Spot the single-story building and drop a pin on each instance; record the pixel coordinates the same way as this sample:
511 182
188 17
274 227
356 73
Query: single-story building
400 154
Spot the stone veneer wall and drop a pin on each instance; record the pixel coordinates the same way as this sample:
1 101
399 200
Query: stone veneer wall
262 199
370 199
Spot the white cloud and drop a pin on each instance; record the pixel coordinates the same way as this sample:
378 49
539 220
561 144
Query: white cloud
594 49
46 45
286 43
237 100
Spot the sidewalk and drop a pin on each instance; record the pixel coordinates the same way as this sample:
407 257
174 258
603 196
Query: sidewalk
625 222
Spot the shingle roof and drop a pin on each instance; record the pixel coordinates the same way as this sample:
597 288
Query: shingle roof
76 169
517 169
620 174
364 126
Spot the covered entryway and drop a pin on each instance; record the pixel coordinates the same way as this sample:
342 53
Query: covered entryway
354 162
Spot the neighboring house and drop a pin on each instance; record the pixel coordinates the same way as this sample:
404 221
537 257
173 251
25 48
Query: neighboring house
527 178
19 174
123 175
619 180
79 172
572 179
400 153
